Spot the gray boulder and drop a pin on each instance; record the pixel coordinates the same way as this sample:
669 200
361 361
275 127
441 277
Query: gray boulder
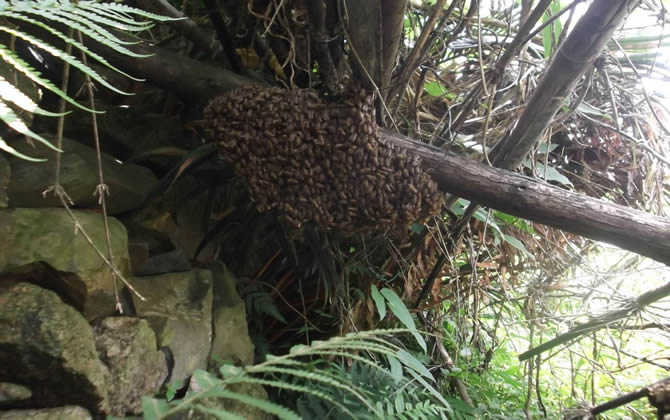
48 347
12 394
60 413
179 309
229 318
127 346
128 184
42 246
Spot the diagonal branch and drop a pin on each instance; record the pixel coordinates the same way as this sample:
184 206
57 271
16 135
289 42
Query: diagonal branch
605 319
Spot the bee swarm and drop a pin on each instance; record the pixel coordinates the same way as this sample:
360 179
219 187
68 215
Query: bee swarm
321 163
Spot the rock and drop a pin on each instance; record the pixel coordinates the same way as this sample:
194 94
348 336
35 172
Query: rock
13 393
41 246
5 173
138 251
179 309
128 184
229 319
169 262
71 412
129 131
173 222
48 347
243 410
127 346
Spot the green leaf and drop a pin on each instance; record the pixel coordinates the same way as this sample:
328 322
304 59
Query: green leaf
217 413
552 174
435 89
10 93
396 368
153 408
265 405
517 222
229 371
205 379
75 43
11 119
518 245
12 59
379 301
56 52
402 313
172 389
12 151
545 148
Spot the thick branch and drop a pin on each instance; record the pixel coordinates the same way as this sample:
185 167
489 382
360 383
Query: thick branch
525 197
575 56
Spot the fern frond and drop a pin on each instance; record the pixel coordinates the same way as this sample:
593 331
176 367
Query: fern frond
9 117
324 378
218 414
116 22
12 151
267 406
12 59
125 10
90 27
57 52
10 93
77 44
292 387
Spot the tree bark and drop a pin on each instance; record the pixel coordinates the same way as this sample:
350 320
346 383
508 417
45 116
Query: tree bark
540 202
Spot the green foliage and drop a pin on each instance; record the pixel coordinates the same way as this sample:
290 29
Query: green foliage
89 18
310 386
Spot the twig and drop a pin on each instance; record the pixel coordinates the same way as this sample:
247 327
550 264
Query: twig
101 189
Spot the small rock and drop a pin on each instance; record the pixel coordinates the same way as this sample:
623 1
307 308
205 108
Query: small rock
231 339
127 346
71 412
128 184
48 347
179 309
169 262
33 238
12 393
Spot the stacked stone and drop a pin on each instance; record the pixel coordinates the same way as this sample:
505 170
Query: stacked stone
320 163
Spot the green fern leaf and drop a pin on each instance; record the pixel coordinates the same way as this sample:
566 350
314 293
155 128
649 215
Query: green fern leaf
154 409
267 406
12 151
219 414
16 123
11 58
63 56
113 21
78 45
10 93
323 378
87 26
293 387
128 10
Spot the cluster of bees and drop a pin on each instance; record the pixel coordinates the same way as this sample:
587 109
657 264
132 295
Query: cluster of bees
319 163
